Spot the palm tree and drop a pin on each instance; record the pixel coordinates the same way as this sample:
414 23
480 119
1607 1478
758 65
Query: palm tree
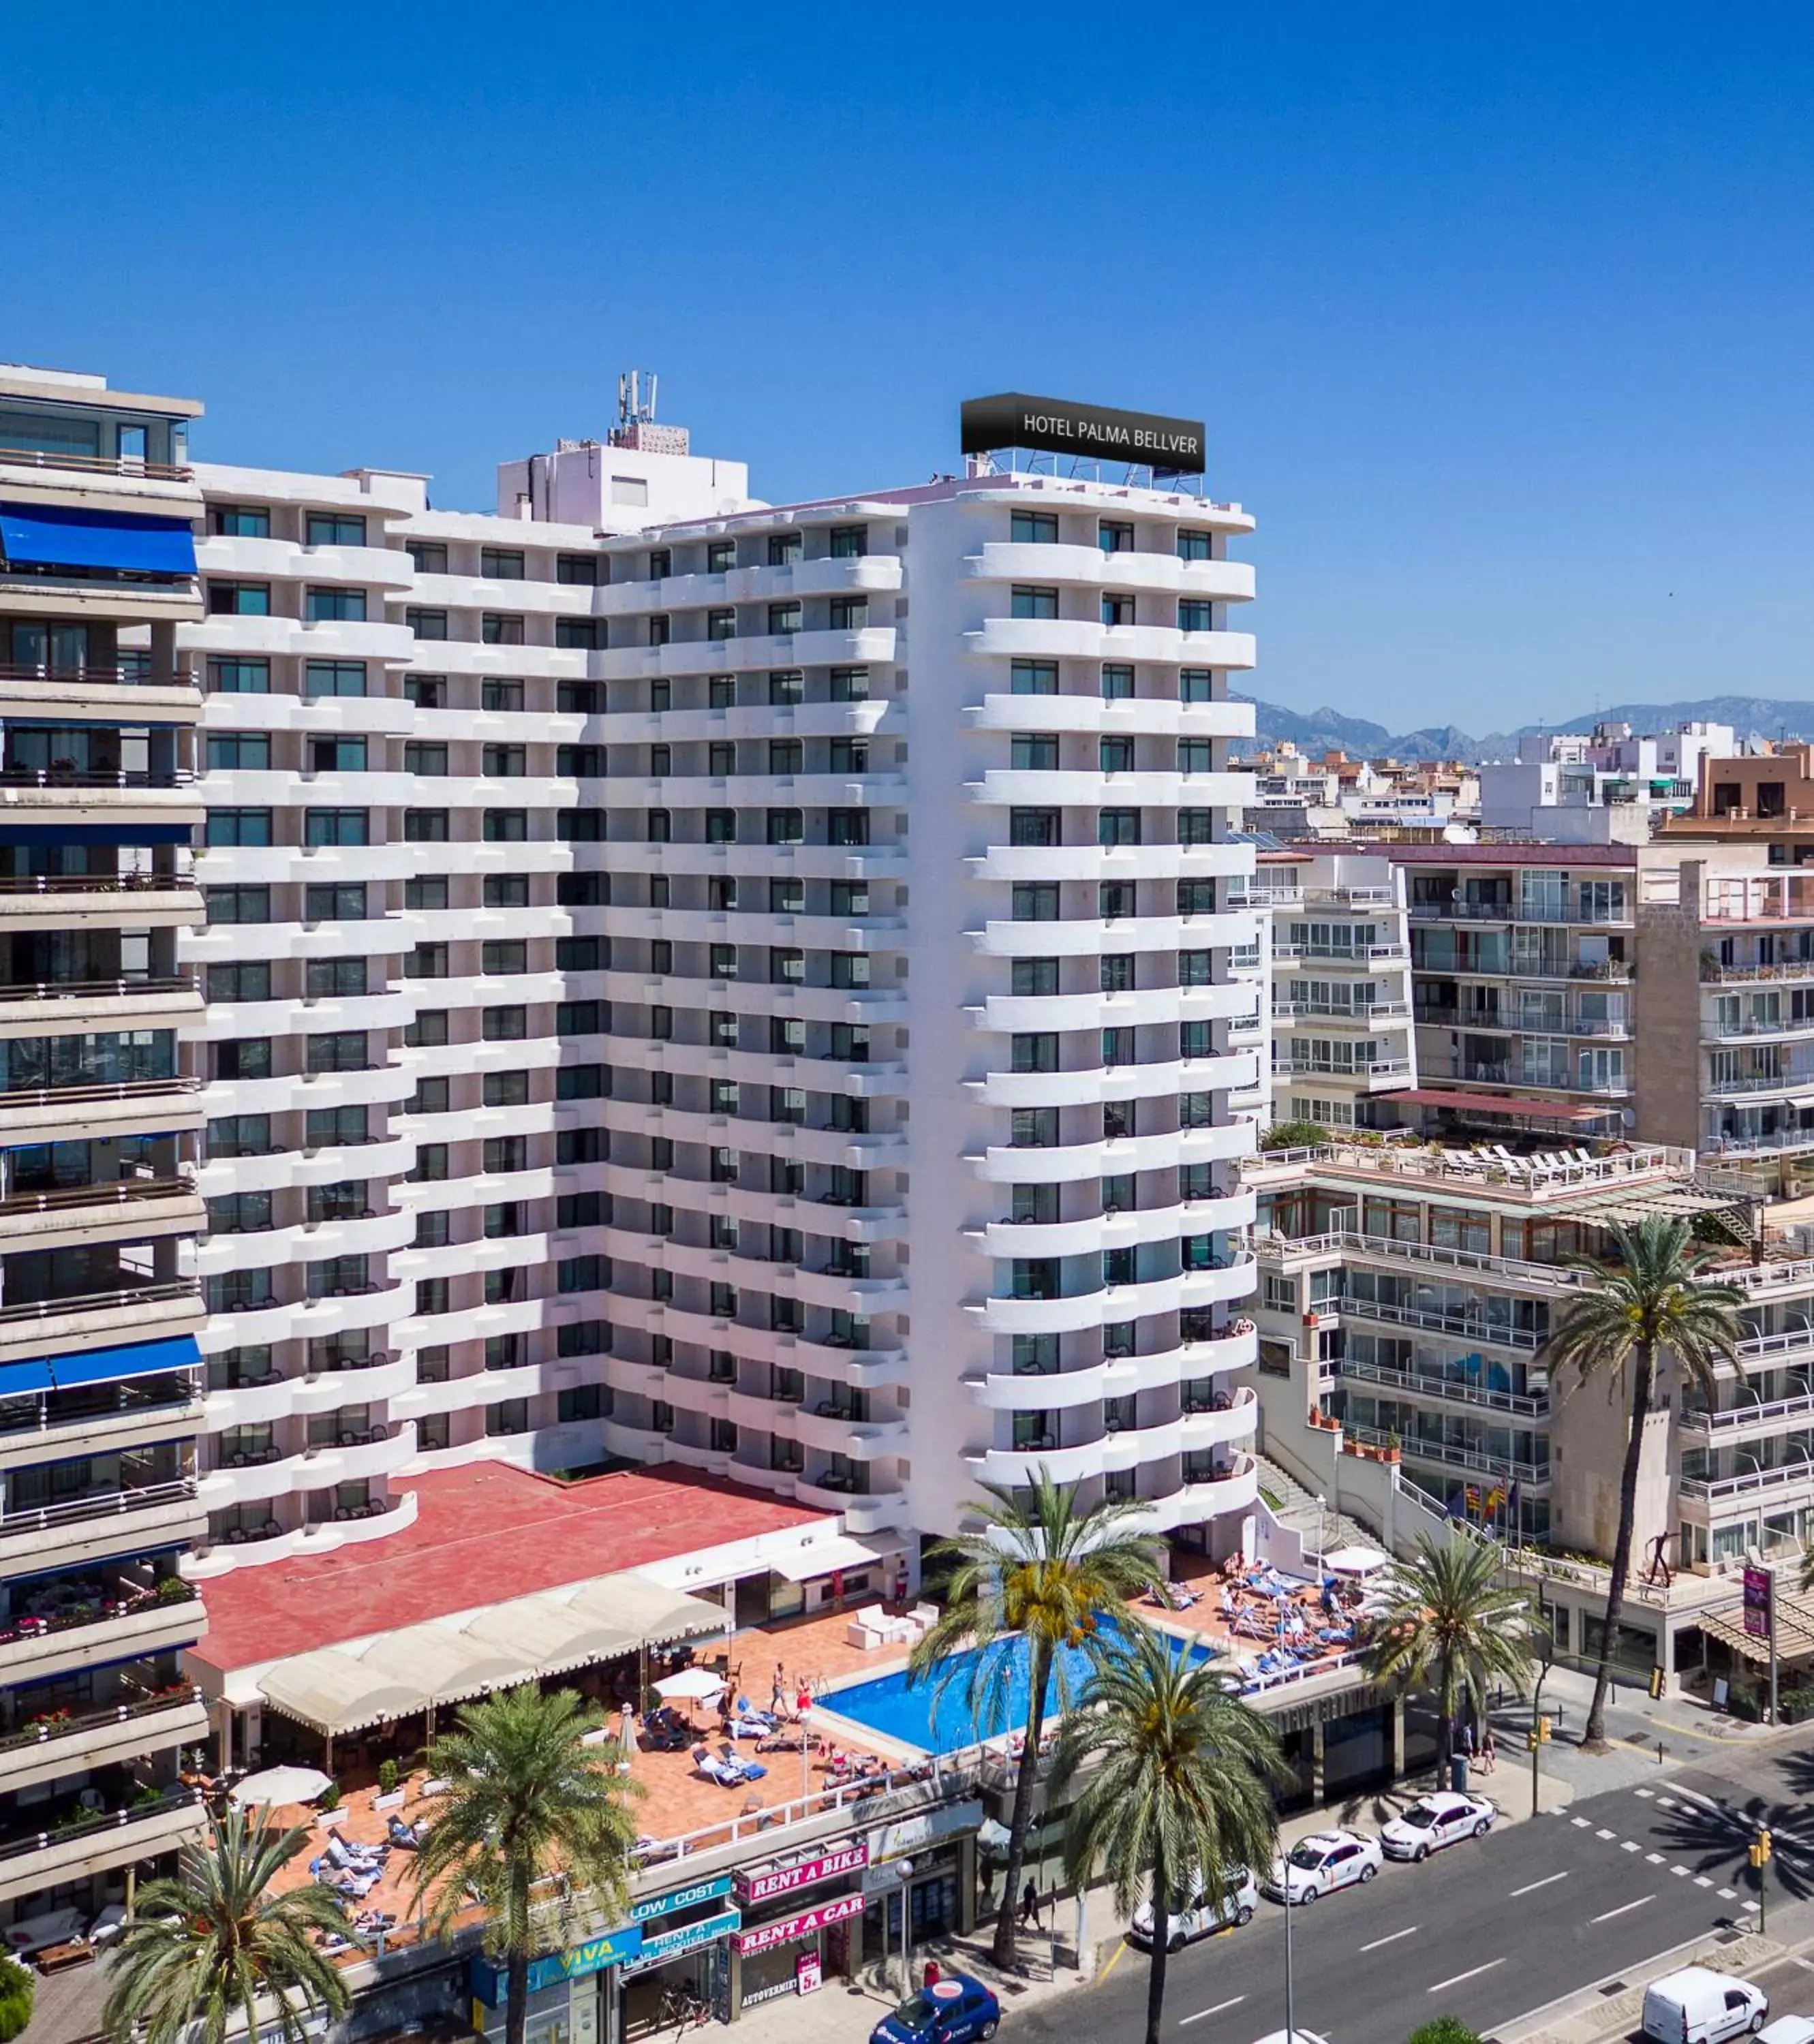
1038 1573
1446 1624
1653 1298
528 1801
200 1945
1180 1793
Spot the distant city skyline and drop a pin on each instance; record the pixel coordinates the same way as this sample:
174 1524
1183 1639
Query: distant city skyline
1498 322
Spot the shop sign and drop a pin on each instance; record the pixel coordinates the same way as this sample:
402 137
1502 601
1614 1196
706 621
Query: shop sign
908 1835
1058 425
680 1898
802 1926
758 1887
489 1983
668 1944
808 1973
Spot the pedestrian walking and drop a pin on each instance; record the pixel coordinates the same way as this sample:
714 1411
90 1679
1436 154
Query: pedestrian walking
778 1693
1030 1905
1488 1753
1464 1739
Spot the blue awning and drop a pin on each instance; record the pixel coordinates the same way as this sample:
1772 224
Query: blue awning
125 541
98 1366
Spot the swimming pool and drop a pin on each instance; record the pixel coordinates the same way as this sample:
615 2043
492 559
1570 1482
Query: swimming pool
886 1704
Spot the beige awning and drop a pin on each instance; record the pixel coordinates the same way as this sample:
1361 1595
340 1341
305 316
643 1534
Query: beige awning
545 1632
820 1557
443 1666
335 1691
646 1614
1794 1628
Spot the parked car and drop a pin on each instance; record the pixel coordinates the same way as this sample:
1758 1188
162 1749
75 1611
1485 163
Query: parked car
1292 2037
1202 1913
1695 2005
951 2010
1321 1863
1789 2030
1435 1821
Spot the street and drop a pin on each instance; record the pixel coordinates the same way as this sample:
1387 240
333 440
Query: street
1490 1930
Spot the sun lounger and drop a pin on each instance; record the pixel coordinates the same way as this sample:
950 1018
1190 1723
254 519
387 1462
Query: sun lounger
707 1764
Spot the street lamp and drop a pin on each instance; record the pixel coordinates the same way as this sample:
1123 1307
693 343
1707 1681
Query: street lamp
1284 1876
1322 1540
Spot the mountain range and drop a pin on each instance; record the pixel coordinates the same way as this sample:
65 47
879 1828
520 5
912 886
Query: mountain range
1329 730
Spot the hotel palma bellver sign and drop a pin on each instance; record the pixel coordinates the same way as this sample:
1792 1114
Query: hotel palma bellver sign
1055 426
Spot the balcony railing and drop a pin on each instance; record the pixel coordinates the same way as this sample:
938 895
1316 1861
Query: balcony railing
1519 911
1469 1327
1421 1384
94 883
96 1827
1782 1476
1729 1418
1450 1454
62 1726
86 1096
102 1302
77 1199
100 1609
104 1504
127 675
99 990
116 777
98 464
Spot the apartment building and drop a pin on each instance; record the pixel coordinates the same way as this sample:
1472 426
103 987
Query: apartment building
654 1014
1609 785
1406 1297
1340 990
100 1402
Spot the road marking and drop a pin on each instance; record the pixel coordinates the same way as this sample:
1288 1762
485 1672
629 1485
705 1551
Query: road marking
1701 1880
1695 1796
1630 1844
1579 1824
1392 1940
1681 1872
1605 1834
1728 1895
1625 1910
1186 2022
1652 1859
1455 1979
1530 1887
1114 1961
1648 1794
1807 1965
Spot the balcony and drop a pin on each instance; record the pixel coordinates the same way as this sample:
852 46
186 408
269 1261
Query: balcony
1450 1454
56 1627
61 1744
1609 918
107 1418
141 1312
1763 1484
38 1538
1777 1416
126 466
1444 1390
82 1845
1466 1326
69 1214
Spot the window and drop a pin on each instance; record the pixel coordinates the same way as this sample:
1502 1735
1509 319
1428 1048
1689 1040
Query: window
503 763
1037 1052
243 1057
338 1050
578 635
787 687
506 1088
1117 609
426 624
334 977
1036 901
786 827
428 1028
347 1199
784 549
500 695
429 890
583 1082
1033 752
583 953
431 1165
1035 827
1117 972
334 677
336 755
1117 683
579 763
582 1146
241 521
786 756
246 980
1115 756
507 890
849 968
1196 968
419 757
582 1018
1033 1127
427 556
505 826
1113 536
505 1153
577 698
1196 685
338 1277
1028 602
241 1135
240 826
335 827
502 956
1118 1047
325 1128
849 542
239 677
786 965
1117 827
1195 615
583 1338
721 826
498 628
334 606
508 1025
426 961
850 685
661 563
783 619
1196 827
577 571
432 1296
1196 1039
1196 755
238 904
720 556
333 528
1192 546
235 751
658 826
1033 978
508 1416
239 599
1197 1110
847 613
1196 898
426 691
1033 528
847 827
500 564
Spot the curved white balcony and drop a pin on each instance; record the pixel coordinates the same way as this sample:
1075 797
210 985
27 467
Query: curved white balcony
1114 1303
393 1158
1010 1166
863 1440
1098 862
1085 639
1213 1429
1042 564
1212 1499
325 1537
1131 716
291 637
318 1469
1067 787
284 560
1087 937
870 645
865 574
1073 1238
1008 1013
1099 1083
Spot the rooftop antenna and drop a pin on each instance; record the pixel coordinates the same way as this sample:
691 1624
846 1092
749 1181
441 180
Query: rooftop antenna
632 410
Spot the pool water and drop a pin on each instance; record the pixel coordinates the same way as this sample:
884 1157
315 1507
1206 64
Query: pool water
917 1717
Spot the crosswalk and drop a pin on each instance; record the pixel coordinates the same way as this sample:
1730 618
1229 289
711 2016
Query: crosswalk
1687 1802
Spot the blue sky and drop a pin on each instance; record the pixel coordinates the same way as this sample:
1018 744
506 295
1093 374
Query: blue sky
1499 318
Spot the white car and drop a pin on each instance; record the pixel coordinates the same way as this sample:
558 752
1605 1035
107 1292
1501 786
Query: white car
1435 1821
1322 1862
1788 2029
1294 2037
1240 1897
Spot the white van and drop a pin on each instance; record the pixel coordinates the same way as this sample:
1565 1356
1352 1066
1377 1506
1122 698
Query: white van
1239 1899
1695 2005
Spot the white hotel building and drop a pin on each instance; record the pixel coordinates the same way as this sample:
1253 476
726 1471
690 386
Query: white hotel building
698 981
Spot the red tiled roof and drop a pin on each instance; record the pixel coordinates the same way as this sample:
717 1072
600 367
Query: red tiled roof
482 1534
